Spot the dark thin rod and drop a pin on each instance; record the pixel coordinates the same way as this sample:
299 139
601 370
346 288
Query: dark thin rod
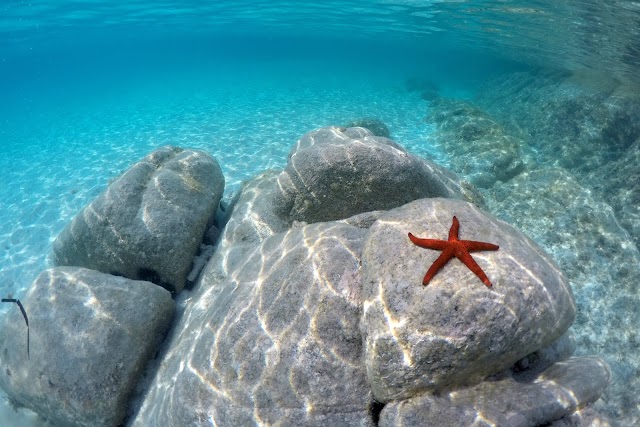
26 319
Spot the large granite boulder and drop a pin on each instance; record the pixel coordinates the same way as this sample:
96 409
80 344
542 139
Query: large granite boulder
91 335
323 323
455 331
278 342
259 209
278 335
149 222
334 173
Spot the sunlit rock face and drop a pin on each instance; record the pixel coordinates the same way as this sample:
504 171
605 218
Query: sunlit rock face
376 126
149 222
276 342
334 173
557 392
91 335
455 331
300 321
270 203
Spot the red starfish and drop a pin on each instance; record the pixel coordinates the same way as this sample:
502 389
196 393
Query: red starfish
454 248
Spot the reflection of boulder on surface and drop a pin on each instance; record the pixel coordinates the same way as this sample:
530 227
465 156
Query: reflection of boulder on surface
91 336
455 331
334 173
149 222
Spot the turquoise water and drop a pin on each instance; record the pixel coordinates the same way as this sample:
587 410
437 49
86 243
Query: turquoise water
88 87
83 116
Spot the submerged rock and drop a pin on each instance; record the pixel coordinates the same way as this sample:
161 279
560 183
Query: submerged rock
263 208
91 336
589 125
554 394
149 222
277 342
479 148
253 219
377 127
307 324
571 124
619 183
530 366
599 258
427 87
311 310
334 173
455 331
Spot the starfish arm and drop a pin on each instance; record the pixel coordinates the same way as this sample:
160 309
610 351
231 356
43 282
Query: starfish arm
454 247
473 246
453 231
471 263
428 243
440 262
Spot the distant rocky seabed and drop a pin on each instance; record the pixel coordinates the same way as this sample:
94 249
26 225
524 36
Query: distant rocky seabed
299 299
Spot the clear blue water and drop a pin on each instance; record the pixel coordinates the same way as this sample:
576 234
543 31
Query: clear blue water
89 87
77 116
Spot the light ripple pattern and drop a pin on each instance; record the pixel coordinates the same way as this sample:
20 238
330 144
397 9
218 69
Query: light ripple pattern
58 162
